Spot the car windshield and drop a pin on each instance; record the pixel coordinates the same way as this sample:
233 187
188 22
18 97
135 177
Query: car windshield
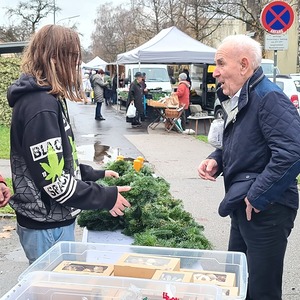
154 74
268 68
280 84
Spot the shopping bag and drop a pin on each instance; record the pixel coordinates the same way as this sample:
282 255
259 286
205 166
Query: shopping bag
215 134
131 111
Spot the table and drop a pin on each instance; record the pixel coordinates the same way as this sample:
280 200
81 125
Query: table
196 118
160 111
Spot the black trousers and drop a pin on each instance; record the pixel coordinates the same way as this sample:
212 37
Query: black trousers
264 241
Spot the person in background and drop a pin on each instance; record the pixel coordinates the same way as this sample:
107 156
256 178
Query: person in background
188 79
4 192
136 96
114 89
259 161
92 94
87 88
145 90
99 85
183 93
107 88
51 187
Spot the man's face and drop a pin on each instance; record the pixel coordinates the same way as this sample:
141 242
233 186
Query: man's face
139 79
229 69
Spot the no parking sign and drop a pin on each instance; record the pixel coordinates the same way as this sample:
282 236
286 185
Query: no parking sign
277 17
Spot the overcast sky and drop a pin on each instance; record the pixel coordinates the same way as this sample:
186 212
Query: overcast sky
85 10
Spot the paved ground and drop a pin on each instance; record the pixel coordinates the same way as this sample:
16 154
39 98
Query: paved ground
173 156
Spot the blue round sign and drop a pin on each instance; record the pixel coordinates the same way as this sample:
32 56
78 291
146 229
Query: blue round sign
277 17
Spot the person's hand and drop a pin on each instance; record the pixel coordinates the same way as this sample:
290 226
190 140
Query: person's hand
121 202
110 173
4 194
249 209
207 169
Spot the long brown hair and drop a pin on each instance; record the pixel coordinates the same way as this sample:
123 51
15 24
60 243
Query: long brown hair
53 57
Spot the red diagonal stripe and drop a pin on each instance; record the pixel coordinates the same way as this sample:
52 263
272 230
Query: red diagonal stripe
277 17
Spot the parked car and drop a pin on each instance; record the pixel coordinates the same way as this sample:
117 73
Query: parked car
296 78
290 86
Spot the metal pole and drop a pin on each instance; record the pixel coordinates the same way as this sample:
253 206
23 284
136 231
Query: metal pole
275 66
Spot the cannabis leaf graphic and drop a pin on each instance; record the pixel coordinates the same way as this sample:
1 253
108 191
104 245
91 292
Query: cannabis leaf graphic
54 168
74 152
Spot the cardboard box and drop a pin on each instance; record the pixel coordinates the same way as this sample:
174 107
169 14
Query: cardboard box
176 276
217 278
143 265
78 267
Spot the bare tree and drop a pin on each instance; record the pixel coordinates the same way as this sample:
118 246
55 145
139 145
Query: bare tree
33 11
246 11
115 31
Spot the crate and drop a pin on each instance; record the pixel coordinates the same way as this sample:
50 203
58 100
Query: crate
45 285
190 259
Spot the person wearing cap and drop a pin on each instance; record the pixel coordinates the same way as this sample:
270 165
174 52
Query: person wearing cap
136 96
183 93
4 192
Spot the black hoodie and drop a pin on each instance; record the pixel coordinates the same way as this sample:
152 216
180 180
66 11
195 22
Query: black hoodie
50 186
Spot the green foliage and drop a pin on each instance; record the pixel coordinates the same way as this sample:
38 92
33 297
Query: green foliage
155 218
9 72
202 138
4 142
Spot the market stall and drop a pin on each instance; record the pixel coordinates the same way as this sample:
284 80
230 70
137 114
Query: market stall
170 46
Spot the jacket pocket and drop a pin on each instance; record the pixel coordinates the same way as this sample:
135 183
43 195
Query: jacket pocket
237 192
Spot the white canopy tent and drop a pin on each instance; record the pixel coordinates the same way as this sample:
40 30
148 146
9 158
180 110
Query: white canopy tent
169 46
96 63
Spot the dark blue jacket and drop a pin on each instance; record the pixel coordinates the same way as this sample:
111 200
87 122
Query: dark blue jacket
264 138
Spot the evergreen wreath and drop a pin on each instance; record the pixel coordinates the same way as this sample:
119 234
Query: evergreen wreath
155 218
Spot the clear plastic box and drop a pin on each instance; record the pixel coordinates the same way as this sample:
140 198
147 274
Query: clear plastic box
190 259
45 285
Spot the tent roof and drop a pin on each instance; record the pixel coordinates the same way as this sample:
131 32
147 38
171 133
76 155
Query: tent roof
169 46
96 63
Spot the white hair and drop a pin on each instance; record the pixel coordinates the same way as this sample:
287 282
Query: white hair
245 44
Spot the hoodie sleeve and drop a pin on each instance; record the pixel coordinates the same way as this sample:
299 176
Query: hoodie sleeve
44 144
280 125
90 174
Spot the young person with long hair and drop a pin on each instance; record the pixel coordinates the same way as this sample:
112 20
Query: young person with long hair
51 187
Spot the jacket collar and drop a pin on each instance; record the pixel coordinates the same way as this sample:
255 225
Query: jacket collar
249 85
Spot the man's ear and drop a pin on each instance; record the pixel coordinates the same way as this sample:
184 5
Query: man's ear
244 65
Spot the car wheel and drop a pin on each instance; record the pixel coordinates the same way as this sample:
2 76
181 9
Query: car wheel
219 113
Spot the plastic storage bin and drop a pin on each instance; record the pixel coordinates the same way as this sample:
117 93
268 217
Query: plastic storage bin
45 285
190 260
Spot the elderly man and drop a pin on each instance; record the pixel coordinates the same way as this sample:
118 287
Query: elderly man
259 160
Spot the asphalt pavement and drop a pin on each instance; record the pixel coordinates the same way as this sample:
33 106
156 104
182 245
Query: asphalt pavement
172 155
